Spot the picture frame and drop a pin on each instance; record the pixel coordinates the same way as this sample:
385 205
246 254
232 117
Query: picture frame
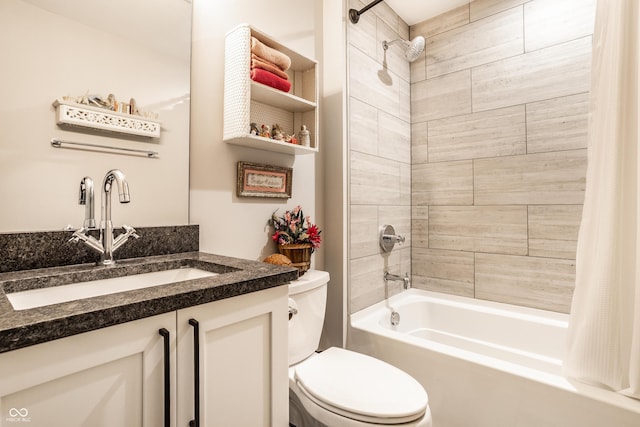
260 180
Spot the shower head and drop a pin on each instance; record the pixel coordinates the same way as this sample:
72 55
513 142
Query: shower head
414 47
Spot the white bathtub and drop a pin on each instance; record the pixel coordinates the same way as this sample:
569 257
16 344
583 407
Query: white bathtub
486 364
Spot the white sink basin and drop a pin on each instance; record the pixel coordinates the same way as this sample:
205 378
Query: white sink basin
32 298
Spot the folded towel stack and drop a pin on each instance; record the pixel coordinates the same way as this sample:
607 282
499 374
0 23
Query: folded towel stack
268 66
262 76
257 62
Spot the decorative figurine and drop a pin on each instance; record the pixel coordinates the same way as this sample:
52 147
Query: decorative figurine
111 102
291 139
96 101
254 129
133 107
305 138
276 132
264 131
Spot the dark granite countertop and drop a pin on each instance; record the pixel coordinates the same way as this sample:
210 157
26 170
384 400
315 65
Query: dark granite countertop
37 325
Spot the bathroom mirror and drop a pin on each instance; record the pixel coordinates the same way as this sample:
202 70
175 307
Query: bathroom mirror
133 49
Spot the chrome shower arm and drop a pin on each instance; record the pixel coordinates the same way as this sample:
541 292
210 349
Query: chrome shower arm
386 44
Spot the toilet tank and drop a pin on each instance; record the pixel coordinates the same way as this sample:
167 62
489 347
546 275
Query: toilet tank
307 302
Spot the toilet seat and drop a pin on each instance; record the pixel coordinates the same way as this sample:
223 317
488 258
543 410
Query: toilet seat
360 387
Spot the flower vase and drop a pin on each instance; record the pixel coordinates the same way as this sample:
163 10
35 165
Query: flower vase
299 254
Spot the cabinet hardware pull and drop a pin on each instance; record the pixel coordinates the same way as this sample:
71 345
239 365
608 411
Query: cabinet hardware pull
196 373
167 377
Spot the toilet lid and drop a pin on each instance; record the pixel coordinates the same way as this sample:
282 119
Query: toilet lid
361 387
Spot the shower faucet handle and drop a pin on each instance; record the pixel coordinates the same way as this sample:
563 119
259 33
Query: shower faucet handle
396 238
388 238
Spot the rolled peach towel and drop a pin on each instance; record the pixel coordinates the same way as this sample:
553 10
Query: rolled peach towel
270 54
257 62
263 76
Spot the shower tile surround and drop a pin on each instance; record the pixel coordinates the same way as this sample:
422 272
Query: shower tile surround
498 137
380 135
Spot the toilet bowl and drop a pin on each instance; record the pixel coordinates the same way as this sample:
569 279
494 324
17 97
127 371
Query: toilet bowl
339 387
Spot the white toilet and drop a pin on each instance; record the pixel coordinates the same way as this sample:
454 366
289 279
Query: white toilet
338 387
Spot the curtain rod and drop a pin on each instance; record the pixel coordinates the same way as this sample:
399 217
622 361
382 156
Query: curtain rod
354 15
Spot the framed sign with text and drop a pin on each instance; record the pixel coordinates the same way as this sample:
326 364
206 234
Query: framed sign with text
258 180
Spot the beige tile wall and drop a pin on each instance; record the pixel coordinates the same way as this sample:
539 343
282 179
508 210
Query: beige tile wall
380 152
498 128
476 152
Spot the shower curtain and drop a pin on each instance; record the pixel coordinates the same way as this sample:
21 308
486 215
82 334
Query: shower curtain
604 327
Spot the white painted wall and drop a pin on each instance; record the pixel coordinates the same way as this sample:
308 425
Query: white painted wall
38 185
239 226
230 225
46 56
334 154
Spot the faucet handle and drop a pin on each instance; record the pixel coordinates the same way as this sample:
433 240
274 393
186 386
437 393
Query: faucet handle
130 231
75 237
81 234
388 238
123 237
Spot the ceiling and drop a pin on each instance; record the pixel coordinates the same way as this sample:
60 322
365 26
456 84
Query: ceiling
414 11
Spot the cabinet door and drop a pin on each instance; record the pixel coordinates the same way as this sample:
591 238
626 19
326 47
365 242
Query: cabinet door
243 379
108 377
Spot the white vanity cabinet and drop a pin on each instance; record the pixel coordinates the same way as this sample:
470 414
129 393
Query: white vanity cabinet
115 376
242 361
107 377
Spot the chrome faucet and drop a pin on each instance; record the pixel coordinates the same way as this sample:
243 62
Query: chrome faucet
106 226
407 281
107 245
85 197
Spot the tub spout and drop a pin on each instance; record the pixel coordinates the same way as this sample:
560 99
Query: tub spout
407 281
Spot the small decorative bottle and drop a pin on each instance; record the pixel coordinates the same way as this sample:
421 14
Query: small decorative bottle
305 139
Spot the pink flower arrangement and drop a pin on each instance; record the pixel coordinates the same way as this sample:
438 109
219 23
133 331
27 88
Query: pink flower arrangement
294 227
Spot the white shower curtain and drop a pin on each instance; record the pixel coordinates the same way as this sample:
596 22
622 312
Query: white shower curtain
604 330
